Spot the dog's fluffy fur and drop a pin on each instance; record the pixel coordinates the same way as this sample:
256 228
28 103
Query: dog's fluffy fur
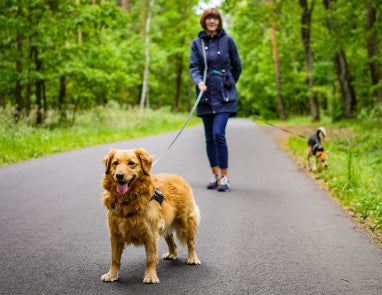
134 219
316 149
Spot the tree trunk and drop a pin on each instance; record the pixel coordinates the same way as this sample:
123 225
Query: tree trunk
61 98
28 102
19 69
277 63
145 86
305 34
125 4
372 50
38 85
347 90
143 17
28 96
342 71
44 96
78 2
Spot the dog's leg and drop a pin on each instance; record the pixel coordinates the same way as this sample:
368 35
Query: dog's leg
151 260
309 157
116 253
192 258
171 255
193 222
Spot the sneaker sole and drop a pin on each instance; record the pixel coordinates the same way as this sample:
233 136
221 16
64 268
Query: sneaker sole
223 190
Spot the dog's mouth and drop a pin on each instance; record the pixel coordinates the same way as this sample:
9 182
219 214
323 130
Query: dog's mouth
123 187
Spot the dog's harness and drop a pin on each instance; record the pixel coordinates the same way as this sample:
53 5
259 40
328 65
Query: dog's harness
158 196
317 148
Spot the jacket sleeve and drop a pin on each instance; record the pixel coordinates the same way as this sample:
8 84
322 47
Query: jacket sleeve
196 64
235 60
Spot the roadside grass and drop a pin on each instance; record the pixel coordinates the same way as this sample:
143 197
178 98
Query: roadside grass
354 174
23 141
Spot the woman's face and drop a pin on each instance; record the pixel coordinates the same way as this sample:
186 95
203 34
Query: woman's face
212 24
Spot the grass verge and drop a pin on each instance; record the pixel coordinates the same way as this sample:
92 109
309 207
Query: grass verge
354 176
23 141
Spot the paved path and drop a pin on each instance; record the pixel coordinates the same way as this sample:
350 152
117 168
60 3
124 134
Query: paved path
276 232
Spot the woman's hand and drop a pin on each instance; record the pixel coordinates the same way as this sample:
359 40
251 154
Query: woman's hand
202 86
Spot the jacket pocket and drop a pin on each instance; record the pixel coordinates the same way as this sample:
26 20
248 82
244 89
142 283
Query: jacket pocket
229 94
204 99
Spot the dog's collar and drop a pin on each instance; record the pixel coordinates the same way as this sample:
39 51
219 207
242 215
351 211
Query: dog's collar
158 196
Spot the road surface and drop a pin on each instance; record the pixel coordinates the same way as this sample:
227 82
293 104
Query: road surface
276 232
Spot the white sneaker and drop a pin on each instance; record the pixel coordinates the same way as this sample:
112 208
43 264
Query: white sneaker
214 182
224 184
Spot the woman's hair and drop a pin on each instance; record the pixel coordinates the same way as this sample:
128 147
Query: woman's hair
214 13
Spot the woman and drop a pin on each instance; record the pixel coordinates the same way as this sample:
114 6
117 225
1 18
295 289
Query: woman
219 100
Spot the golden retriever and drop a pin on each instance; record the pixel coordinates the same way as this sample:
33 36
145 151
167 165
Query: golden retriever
136 217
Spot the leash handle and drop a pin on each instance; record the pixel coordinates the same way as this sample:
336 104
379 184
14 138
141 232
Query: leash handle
193 109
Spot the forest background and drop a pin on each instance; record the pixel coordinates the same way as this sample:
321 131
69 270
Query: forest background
69 55
75 73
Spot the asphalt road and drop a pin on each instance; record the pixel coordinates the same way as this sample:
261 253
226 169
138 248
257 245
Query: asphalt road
276 232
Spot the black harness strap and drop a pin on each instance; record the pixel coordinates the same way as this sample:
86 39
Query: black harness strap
158 196
317 148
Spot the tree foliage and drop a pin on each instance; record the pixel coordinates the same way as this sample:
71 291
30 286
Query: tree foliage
86 53
251 30
68 55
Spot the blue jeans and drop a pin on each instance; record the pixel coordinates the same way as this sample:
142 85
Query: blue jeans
214 130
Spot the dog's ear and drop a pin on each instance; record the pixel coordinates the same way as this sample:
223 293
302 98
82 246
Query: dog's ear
107 160
145 159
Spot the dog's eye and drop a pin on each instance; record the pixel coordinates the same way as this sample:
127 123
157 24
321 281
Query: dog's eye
131 163
115 163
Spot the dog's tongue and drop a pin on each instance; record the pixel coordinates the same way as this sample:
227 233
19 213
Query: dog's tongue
122 188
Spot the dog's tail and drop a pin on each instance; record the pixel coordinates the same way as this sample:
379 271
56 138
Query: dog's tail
322 131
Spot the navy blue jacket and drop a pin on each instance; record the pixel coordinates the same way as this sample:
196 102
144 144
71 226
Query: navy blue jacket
222 57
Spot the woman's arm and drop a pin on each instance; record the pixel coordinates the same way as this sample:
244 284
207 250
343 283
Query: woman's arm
235 60
195 66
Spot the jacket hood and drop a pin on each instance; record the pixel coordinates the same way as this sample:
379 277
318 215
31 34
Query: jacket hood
204 35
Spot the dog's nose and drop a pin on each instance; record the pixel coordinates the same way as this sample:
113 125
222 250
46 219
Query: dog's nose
120 175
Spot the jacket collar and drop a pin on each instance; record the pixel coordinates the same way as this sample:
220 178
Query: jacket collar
206 37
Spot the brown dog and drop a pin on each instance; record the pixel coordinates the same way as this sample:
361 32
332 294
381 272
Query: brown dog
139 213
316 149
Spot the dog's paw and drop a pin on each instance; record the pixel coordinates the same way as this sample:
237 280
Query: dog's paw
194 261
107 277
151 279
169 256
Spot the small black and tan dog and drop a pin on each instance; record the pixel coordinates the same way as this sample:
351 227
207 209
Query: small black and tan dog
316 149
